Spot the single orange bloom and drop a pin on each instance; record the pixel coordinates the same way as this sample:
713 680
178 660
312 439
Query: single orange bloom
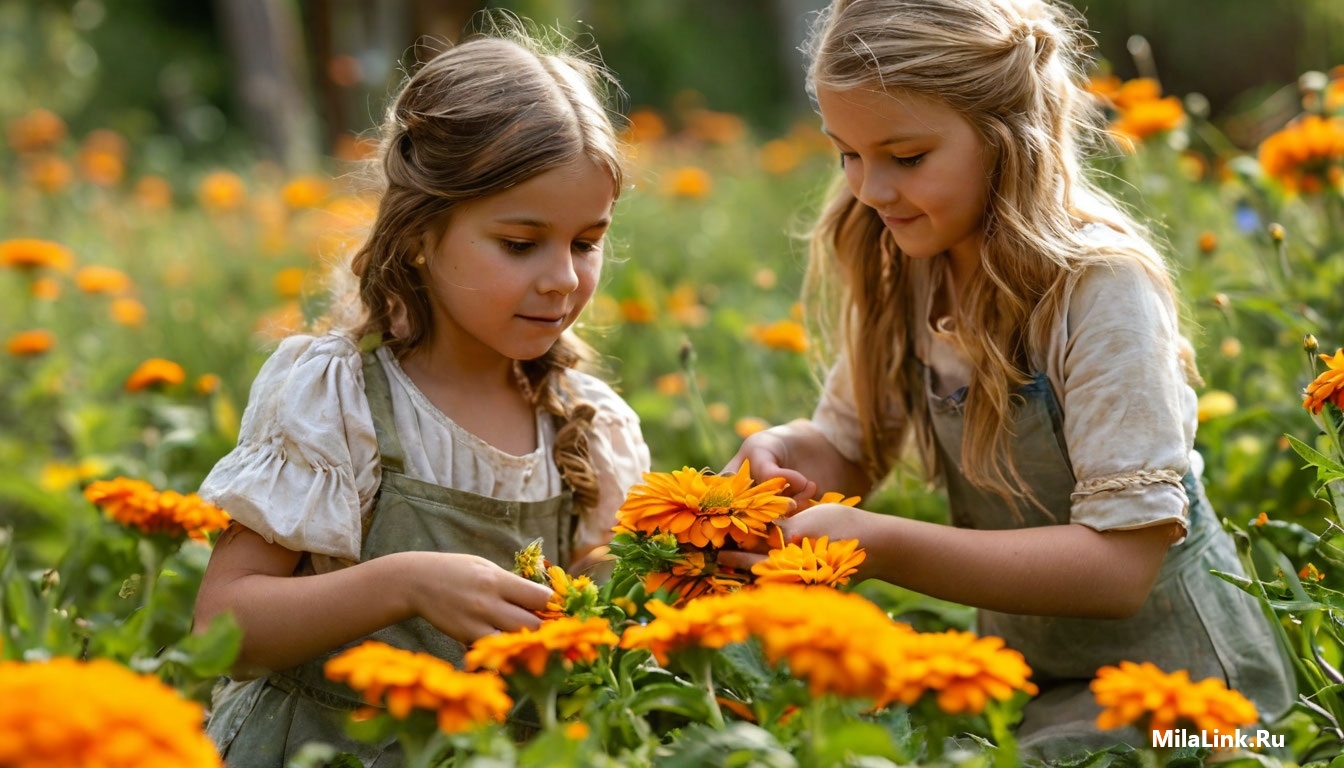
645 125
811 562
566 640
1147 118
48 173
128 312
137 504
1130 692
405 680
30 343
688 181
638 311
222 191
963 670
749 425
96 278
153 193
101 167
40 129
45 288
31 253
207 384
786 335
702 623
780 156
289 282
704 510
305 192
1207 241
155 372
1329 386
715 127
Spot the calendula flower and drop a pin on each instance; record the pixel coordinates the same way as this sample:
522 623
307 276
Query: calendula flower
65 712
570 595
568 640
1305 155
786 335
99 279
305 192
136 503
688 181
704 510
30 254
1132 693
221 191
155 372
694 577
30 343
1215 404
404 680
38 130
1329 386
644 126
153 193
820 562
703 623
127 311
715 127
965 671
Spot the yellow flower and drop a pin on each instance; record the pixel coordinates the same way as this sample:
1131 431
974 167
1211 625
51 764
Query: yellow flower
704 510
570 595
1329 386
153 372
1310 572
1131 693
787 335
811 562
305 192
1215 404
702 623
65 712
31 253
405 680
96 278
568 640
136 503
963 669
30 343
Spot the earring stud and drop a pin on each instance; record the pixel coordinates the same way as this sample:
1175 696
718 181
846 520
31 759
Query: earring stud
420 260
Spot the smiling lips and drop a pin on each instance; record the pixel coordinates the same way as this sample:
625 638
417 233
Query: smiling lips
894 222
552 320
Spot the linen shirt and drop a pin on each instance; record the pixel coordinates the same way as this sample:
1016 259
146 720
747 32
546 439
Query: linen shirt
1117 363
305 472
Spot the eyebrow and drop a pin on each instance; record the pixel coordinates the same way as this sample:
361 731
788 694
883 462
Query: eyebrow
893 139
538 224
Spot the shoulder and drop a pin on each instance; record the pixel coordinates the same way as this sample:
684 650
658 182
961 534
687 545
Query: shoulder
1126 285
306 356
611 407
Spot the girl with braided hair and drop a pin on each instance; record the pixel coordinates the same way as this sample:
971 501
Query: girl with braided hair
999 314
386 473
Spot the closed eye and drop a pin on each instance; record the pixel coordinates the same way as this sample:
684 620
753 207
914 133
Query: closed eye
587 246
909 161
845 157
518 247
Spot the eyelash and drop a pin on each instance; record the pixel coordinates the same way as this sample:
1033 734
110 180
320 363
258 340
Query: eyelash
520 247
909 161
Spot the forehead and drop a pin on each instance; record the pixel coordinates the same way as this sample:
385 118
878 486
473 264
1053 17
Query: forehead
878 117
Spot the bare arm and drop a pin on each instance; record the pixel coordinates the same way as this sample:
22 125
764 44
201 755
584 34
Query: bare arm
287 619
1052 570
801 454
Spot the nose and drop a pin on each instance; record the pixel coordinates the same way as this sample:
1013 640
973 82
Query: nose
560 275
876 189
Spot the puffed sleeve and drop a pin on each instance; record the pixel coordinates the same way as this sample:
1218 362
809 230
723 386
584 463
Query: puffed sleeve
619 455
1128 408
306 465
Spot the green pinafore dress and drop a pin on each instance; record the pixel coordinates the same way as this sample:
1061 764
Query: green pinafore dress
1192 620
262 723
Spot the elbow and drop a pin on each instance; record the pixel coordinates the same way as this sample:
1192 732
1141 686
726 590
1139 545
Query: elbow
1124 601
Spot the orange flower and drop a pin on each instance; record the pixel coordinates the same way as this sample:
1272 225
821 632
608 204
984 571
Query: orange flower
305 192
715 127
154 193
405 680
688 181
1207 241
206 384
48 173
964 670
569 640
749 425
820 562
692 577
40 129
1310 572
69 712
1147 118
99 279
45 288
136 503
289 282
570 595
638 311
127 312
222 191
30 253
645 125
30 343
1329 386
154 372
704 510
1302 155
703 623
787 335
780 156
1131 693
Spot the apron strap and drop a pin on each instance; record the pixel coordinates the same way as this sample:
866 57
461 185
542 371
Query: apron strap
380 404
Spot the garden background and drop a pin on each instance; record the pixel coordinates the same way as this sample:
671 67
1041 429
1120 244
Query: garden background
176 189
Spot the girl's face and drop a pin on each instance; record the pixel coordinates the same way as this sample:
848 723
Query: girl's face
916 162
514 270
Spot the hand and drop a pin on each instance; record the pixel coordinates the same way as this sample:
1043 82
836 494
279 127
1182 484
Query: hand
836 521
768 453
467 597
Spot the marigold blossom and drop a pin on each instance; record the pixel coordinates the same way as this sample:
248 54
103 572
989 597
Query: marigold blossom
30 343
1305 155
786 335
690 182
963 669
127 311
153 372
1329 386
38 130
703 623
568 639
570 595
704 510
820 562
1130 693
405 680
96 278
70 712
136 503
30 253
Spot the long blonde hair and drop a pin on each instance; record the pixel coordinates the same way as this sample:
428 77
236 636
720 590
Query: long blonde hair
476 119
1015 69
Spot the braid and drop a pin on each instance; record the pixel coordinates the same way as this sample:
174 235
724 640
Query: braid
571 450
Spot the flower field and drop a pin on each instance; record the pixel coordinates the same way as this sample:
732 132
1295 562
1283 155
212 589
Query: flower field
136 307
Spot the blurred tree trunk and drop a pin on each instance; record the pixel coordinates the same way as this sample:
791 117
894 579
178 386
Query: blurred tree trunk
266 52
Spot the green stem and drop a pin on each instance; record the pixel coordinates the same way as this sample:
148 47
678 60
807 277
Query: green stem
701 668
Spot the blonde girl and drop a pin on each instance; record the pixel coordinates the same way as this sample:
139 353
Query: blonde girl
387 473
1000 315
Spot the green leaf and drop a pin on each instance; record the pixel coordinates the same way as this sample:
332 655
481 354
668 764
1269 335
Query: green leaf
1327 469
736 746
676 698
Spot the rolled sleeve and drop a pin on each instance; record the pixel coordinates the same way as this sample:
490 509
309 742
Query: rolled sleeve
1128 416
306 465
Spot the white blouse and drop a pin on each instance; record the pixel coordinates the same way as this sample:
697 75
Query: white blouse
1116 362
306 469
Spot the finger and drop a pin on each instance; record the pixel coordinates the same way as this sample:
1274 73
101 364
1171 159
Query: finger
732 466
525 592
739 560
511 618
